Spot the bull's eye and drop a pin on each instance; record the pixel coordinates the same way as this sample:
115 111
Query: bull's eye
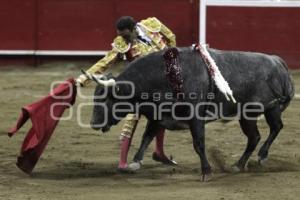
117 88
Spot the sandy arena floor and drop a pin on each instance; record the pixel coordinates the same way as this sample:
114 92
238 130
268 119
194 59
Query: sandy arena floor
80 163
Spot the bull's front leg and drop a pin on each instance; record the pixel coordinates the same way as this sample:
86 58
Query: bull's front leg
151 131
197 128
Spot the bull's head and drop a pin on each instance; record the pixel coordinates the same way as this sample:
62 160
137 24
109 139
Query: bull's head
104 99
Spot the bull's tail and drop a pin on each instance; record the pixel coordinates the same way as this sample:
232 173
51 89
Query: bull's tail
287 86
288 97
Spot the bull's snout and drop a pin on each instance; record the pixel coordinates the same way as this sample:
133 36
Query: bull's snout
95 126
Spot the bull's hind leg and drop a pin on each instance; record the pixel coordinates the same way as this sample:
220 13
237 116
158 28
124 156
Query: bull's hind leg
273 118
198 134
249 128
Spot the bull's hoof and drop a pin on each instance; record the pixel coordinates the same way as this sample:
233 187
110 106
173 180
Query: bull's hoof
262 154
262 161
134 166
206 177
236 169
163 159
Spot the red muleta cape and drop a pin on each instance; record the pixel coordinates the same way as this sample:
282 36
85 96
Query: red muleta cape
44 115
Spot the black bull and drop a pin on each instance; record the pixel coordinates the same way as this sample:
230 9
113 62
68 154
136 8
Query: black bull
260 81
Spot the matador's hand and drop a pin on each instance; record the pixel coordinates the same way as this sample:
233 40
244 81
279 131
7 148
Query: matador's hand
79 82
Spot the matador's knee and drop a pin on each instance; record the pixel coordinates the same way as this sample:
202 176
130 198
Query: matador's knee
130 125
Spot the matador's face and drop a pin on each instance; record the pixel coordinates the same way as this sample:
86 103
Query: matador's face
127 34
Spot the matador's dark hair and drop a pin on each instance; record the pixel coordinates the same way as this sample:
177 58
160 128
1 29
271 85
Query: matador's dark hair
125 22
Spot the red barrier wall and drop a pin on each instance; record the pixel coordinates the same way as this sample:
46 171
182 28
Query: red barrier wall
86 24
75 24
89 25
17 24
269 30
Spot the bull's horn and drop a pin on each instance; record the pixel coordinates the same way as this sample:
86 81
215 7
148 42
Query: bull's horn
100 79
106 83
